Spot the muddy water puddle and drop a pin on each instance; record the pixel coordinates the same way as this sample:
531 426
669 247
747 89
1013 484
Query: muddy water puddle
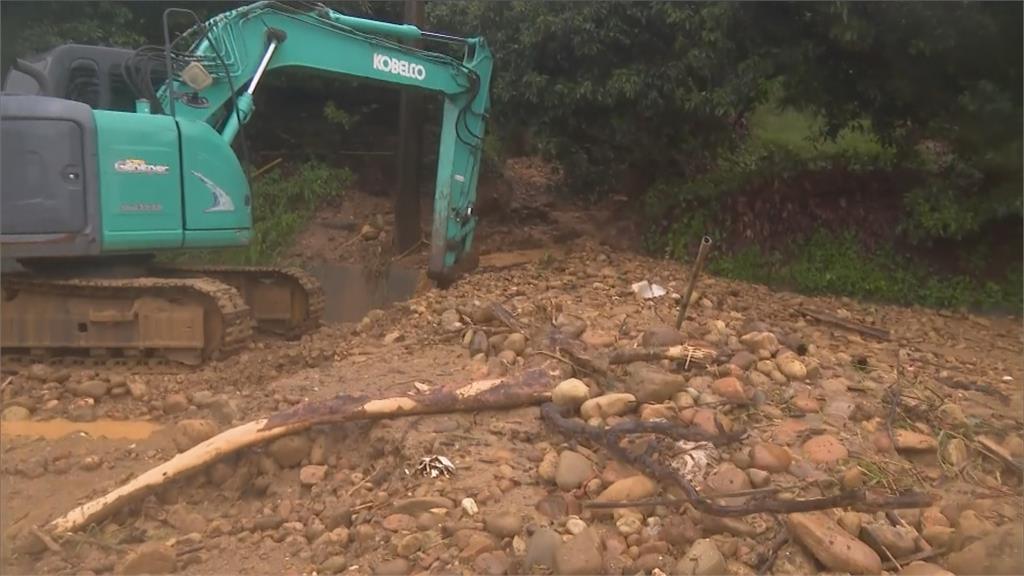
59 428
350 292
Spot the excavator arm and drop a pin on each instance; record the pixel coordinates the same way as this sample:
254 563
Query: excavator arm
216 78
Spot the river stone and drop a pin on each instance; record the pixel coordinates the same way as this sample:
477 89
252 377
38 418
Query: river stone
920 568
94 389
396 567
755 341
188 433
175 404
414 506
149 558
515 343
791 367
898 540
630 489
743 360
831 545
492 563
15 414
824 449
608 405
661 336
573 470
312 474
703 557
580 555
541 549
769 457
731 389
1000 552
548 467
652 384
504 524
913 441
571 393
290 450
570 325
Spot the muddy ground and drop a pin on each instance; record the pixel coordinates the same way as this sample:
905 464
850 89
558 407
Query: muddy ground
935 408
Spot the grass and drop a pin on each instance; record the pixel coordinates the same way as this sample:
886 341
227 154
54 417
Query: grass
771 125
283 200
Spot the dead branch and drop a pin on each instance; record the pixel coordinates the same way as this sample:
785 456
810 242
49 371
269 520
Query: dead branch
846 324
610 440
506 318
684 352
529 388
922 555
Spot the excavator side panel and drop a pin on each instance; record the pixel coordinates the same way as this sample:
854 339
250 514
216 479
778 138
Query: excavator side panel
217 198
140 181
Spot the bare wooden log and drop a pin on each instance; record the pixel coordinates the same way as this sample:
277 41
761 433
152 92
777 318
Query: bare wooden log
689 354
529 388
846 324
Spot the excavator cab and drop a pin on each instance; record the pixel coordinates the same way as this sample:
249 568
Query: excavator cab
92 75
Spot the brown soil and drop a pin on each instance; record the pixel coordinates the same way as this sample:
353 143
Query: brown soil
549 258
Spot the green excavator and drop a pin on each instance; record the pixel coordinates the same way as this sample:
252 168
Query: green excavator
111 156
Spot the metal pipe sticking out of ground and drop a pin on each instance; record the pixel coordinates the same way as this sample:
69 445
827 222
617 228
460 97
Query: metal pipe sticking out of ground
698 265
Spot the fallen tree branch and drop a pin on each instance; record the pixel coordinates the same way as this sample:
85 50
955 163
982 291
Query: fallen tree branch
846 324
684 352
529 388
610 440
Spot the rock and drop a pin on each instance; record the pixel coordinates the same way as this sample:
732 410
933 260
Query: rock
138 389
369 232
791 367
333 565
392 337
743 360
955 452
541 549
759 478
580 555
920 568
504 524
831 545
224 410
652 384
853 479
851 522
451 321
185 520
683 400
175 404
82 410
573 470
399 523
312 474
515 342
824 449
629 523
907 440
658 412
971 526
94 389
805 403
396 567
938 536
653 562
571 326
770 457
731 389
478 344
953 414
414 506
755 341
899 540
409 545
719 525
571 393
703 557
999 552
794 560
630 489
188 433
492 563
608 405
15 414
727 477
574 525
290 450
704 420
39 372
548 467
149 558
469 506
661 336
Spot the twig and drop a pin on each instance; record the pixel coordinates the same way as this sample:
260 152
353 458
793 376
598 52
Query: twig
46 540
410 250
267 167
780 540
610 439
846 324
506 318
698 265
6 382
691 354
884 549
364 481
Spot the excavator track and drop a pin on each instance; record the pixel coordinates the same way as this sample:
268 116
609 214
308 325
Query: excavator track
144 320
288 302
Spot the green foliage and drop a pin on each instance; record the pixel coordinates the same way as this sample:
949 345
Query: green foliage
338 117
836 263
615 88
283 202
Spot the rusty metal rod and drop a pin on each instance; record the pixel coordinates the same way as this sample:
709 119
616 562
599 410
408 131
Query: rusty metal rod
698 265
